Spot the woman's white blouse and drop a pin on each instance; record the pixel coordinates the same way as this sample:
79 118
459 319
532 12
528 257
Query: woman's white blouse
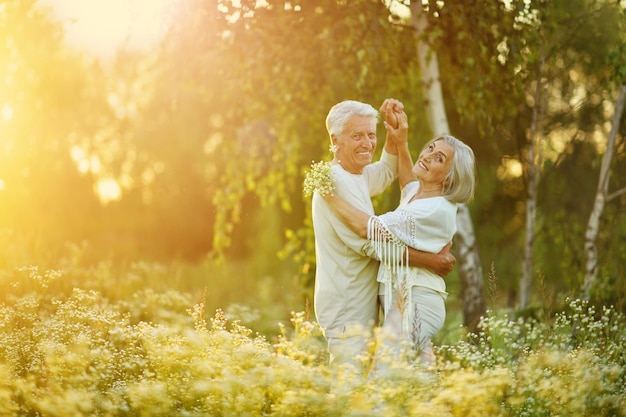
426 224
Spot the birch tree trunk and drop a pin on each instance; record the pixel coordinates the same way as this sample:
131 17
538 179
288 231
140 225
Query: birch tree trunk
593 226
533 173
470 269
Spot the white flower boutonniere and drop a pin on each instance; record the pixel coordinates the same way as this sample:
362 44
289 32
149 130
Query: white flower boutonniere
319 179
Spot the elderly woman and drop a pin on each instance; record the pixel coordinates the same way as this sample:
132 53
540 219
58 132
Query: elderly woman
414 298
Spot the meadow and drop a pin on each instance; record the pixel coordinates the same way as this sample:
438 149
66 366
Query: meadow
147 340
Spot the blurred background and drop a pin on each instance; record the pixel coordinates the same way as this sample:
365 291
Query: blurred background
178 132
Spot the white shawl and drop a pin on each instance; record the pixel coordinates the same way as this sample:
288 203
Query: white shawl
426 224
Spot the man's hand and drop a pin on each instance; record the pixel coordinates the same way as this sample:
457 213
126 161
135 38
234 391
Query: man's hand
444 261
440 263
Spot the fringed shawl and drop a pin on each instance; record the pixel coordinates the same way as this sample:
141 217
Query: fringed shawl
427 225
394 255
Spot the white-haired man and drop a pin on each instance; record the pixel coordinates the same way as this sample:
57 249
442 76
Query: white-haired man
346 290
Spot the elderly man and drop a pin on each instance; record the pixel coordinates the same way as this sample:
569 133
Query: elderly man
346 290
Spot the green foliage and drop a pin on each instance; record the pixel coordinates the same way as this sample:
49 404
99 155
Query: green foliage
209 135
489 54
329 51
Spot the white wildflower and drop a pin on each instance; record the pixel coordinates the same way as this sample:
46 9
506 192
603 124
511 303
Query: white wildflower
319 179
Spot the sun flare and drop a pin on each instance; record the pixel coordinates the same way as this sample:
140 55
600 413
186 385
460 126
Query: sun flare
108 190
100 27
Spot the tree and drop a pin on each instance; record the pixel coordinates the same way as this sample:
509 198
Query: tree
247 110
555 40
516 70
209 134
533 164
470 269
602 196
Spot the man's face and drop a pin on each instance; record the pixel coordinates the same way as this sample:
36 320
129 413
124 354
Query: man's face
356 144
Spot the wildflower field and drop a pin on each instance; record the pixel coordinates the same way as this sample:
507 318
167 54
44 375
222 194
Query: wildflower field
100 341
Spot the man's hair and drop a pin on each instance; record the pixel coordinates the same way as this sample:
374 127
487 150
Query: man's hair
340 113
460 182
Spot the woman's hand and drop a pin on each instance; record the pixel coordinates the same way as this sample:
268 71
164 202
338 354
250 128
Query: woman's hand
390 108
400 133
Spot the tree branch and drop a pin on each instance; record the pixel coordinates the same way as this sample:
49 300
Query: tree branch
615 194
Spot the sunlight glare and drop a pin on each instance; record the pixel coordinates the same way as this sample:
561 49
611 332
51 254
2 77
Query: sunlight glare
7 112
80 159
510 168
108 190
102 26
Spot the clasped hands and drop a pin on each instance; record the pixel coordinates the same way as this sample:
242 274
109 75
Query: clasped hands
396 121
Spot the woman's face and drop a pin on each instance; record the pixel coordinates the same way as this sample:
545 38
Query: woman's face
356 144
434 163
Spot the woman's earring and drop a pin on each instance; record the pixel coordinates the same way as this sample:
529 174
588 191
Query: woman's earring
332 148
